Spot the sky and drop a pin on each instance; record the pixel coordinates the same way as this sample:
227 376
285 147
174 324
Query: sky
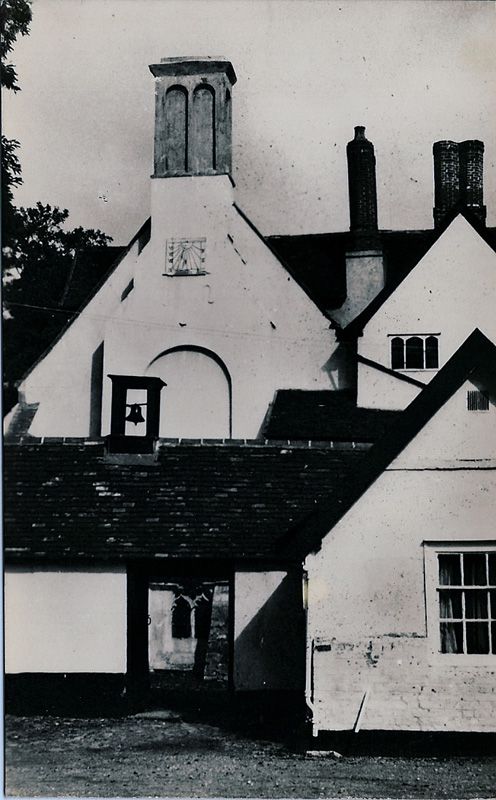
412 72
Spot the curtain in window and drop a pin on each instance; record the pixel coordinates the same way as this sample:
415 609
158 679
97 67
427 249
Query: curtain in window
474 569
464 613
476 603
450 573
477 637
492 571
450 603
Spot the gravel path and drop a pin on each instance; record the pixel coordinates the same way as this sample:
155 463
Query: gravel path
146 756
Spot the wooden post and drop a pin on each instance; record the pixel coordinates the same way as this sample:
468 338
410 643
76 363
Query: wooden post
137 679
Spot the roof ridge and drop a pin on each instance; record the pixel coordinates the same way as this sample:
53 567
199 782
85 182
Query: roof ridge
165 442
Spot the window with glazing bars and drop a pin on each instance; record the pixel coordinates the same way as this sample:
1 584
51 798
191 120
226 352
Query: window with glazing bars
467 602
415 352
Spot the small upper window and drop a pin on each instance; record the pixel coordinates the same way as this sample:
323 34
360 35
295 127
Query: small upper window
415 352
185 257
467 602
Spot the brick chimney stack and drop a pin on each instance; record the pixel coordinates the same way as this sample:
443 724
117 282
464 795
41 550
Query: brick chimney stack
362 190
458 178
471 177
446 179
364 257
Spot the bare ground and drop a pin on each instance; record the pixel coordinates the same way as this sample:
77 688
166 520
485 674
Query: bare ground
153 756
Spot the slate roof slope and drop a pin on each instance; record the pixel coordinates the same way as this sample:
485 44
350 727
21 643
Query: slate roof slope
93 270
88 269
317 261
324 415
475 360
66 500
356 326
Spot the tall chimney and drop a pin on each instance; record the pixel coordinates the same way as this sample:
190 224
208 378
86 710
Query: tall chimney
471 177
458 179
362 190
364 258
446 179
192 116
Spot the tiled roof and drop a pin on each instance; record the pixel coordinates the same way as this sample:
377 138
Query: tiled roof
67 500
88 269
474 360
324 415
317 261
356 326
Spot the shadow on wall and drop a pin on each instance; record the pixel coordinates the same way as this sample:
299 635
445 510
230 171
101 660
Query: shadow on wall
269 653
341 367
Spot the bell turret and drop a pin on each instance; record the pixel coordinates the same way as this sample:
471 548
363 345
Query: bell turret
192 116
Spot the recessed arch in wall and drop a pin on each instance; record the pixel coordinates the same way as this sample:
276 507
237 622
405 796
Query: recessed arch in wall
203 128
196 403
176 121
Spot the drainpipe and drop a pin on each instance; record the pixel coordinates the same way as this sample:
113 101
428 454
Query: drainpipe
309 653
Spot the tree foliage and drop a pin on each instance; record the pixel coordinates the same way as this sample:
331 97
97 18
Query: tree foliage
38 249
40 253
15 18
38 264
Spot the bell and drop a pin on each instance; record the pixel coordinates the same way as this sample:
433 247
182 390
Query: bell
135 414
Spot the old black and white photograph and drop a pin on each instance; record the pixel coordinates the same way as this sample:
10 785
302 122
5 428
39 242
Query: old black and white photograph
249 398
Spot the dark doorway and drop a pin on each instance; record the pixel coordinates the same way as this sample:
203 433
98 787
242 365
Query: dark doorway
188 632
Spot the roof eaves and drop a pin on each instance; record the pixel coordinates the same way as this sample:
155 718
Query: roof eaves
142 231
475 353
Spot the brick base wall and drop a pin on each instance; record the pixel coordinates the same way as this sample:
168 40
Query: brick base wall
402 686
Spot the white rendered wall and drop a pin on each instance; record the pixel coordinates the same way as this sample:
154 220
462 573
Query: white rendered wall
160 643
451 291
165 652
59 621
247 310
196 402
268 631
61 382
453 436
368 608
228 311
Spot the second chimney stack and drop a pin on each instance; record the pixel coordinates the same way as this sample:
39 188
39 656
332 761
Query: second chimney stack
458 179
